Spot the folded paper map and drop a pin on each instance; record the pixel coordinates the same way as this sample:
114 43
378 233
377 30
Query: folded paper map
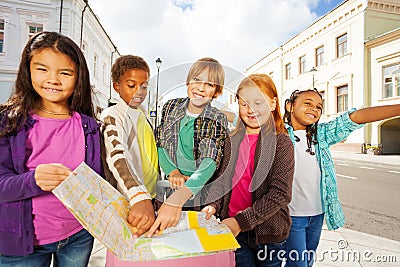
103 211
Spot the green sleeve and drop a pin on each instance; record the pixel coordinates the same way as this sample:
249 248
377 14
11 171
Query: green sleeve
165 161
202 174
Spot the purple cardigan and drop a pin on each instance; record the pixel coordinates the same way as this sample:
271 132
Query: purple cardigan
17 187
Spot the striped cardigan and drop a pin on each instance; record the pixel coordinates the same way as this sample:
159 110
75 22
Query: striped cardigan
131 160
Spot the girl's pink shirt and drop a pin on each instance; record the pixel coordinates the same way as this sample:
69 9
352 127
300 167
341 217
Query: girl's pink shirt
54 141
241 182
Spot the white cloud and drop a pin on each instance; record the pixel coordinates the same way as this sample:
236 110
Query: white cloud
235 32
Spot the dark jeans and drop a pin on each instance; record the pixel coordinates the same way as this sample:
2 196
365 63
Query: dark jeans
262 255
73 251
303 240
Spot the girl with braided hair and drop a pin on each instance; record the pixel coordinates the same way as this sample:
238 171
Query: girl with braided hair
314 194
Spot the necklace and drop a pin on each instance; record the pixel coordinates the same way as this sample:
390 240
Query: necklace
53 113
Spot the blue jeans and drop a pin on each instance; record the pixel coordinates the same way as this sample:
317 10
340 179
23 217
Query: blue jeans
262 255
73 251
303 240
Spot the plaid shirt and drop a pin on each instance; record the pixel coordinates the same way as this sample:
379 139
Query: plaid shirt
210 131
328 134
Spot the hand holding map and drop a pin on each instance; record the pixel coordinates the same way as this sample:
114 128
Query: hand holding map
103 211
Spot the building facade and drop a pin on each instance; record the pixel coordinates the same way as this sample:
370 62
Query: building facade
20 19
383 53
349 55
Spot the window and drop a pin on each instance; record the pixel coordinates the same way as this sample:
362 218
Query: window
342 98
95 65
34 28
391 80
322 93
1 35
302 64
288 68
341 45
319 56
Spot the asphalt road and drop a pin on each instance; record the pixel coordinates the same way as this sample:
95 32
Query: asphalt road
370 196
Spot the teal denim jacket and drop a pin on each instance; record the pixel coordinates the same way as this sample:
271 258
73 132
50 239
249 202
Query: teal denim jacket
328 134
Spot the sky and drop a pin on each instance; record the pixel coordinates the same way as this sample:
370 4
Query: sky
237 33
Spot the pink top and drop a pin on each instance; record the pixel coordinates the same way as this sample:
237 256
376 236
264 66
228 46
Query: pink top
54 141
241 181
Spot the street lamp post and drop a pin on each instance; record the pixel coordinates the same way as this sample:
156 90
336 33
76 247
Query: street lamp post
158 64
148 103
313 70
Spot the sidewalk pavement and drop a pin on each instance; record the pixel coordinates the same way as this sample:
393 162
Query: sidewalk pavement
343 247
381 159
353 152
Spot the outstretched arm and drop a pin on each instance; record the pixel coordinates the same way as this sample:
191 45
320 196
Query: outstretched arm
372 114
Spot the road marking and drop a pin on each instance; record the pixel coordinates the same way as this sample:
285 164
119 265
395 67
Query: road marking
368 168
394 171
343 164
348 177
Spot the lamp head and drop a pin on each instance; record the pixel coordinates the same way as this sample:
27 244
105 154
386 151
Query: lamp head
158 63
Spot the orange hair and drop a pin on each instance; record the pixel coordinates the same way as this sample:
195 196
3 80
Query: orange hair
267 86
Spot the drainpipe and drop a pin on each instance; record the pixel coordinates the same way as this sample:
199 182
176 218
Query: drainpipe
83 11
282 72
111 63
61 10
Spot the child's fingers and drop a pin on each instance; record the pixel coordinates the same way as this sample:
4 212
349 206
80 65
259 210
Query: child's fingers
49 176
51 172
145 222
162 223
142 222
144 225
142 230
208 215
171 183
134 220
48 187
55 168
176 182
209 211
139 232
153 228
138 220
141 214
169 221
